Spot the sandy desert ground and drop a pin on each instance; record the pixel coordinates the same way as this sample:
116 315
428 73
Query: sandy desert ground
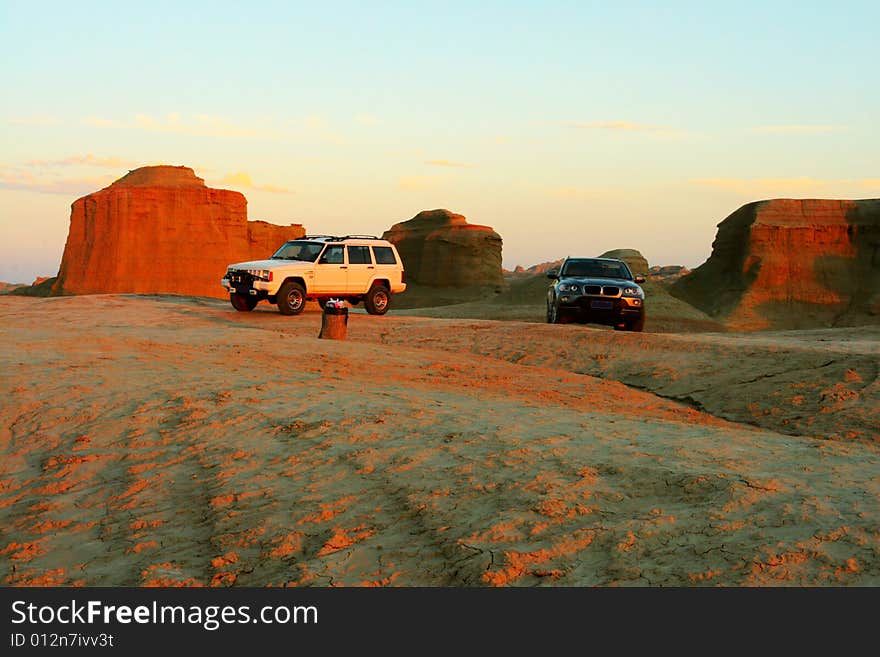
172 441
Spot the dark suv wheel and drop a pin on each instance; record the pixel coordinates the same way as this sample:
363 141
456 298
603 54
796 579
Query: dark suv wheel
556 315
637 325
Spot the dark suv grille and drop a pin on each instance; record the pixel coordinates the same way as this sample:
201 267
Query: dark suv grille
237 277
598 290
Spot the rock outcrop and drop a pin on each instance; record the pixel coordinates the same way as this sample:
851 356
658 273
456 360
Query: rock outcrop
441 249
160 230
791 264
667 274
6 288
540 268
636 262
41 287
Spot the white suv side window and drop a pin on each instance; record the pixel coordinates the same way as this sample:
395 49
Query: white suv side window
333 255
359 255
384 255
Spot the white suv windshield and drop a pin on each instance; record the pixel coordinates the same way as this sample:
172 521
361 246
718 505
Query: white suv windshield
296 250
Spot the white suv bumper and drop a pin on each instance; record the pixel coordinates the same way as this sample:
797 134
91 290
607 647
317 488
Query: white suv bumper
268 287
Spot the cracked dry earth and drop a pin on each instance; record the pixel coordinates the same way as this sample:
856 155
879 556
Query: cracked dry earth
172 441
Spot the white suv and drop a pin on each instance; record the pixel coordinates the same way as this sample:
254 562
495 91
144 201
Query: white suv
320 267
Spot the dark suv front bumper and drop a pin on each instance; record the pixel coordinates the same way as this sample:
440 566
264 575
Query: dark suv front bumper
602 310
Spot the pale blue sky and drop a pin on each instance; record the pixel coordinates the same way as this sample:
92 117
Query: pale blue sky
570 127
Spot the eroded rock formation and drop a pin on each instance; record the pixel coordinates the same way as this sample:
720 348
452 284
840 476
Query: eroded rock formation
636 262
441 248
540 268
792 264
160 230
667 274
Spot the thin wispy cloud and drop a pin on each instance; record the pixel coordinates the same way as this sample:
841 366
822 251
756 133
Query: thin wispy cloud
624 126
316 127
759 186
196 125
242 180
220 127
26 181
754 187
200 125
447 163
366 119
799 129
574 193
418 183
631 127
101 122
84 160
35 121
53 176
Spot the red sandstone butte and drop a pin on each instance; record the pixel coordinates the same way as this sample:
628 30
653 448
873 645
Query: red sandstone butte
160 230
789 263
440 248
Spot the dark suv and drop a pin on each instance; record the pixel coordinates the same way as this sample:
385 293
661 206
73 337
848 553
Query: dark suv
596 290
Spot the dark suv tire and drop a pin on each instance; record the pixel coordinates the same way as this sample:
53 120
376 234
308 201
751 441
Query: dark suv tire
291 298
377 300
638 325
557 316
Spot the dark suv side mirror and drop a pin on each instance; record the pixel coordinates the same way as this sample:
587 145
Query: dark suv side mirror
552 275
640 279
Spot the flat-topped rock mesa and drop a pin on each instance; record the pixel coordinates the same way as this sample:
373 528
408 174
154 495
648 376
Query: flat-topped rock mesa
636 262
160 230
440 248
787 264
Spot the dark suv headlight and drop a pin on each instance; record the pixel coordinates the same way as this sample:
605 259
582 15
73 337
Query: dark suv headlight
568 287
633 292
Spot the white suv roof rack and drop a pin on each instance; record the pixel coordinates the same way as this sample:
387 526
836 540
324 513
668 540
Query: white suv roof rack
339 238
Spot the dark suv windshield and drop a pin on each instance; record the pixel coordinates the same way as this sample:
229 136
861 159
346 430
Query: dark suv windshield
596 268
297 250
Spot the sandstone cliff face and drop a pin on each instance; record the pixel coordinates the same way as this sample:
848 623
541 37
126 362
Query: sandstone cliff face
160 230
636 262
792 264
442 249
